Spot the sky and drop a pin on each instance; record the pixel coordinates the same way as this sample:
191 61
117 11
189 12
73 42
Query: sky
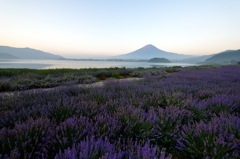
76 28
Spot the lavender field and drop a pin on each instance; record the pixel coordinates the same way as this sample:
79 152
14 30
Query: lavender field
193 113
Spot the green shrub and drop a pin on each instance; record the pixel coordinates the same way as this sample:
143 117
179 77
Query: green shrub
5 85
104 73
116 74
85 79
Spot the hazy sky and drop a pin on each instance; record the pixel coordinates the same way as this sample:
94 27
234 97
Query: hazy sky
111 27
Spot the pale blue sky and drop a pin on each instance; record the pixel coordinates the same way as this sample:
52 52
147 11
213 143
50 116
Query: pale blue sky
111 27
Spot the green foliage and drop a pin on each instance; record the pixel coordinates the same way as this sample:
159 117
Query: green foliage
103 73
5 85
10 72
86 79
199 114
23 79
115 74
148 72
132 127
60 112
173 69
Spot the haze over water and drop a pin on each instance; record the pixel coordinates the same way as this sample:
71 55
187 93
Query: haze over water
46 64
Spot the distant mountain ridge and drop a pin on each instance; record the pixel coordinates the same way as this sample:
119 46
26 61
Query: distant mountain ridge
149 51
7 56
143 54
226 57
197 59
7 52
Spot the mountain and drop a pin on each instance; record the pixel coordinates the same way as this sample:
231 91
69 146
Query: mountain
7 56
26 53
196 59
226 57
159 60
150 51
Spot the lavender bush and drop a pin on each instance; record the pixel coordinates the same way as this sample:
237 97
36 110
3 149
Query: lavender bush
219 138
93 148
190 113
23 79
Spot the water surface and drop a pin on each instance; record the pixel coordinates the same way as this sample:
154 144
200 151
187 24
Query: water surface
46 64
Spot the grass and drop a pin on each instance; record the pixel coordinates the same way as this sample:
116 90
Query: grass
10 72
23 79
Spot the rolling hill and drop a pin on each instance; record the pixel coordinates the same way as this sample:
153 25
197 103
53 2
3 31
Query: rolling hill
149 51
7 56
226 57
197 59
159 60
7 52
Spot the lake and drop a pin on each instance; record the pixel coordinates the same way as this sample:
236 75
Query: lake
47 64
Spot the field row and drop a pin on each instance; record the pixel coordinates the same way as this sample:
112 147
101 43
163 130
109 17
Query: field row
193 113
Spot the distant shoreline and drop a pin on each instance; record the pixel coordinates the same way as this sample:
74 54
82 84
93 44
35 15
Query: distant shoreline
85 63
